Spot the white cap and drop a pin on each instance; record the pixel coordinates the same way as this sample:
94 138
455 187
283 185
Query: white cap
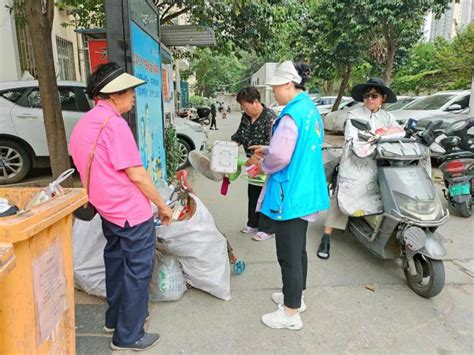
284 73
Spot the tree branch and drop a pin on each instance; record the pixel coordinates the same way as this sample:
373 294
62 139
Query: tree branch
165 12
174 15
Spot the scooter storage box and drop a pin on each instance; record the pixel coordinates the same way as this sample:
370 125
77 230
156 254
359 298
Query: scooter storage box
224 157
203 111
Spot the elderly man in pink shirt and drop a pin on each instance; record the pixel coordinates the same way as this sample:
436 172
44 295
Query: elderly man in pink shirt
121 190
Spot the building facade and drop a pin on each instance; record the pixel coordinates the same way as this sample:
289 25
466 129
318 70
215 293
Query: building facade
259 78
459 15
17 51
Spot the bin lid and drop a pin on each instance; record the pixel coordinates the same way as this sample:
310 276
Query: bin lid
28 223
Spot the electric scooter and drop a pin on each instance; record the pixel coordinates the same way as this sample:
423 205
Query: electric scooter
412 211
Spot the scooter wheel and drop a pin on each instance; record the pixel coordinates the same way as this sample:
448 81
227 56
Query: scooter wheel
464 208
239 266
430 276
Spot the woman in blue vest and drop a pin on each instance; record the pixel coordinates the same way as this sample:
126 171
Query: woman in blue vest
296 188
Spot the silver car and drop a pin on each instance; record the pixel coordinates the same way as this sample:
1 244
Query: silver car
441 102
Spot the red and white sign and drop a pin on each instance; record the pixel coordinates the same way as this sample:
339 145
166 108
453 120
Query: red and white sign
97 53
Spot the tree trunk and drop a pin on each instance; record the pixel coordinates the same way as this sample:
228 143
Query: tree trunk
345 80
39 15
391 50
327 87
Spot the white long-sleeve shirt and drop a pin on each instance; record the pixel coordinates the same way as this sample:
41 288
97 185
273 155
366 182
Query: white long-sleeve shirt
378 119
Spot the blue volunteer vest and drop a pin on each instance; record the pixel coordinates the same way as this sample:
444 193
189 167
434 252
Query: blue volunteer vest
300 189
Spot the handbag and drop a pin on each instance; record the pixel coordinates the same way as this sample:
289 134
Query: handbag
87 212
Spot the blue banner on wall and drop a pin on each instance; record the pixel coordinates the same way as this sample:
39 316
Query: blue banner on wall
184 94
147 66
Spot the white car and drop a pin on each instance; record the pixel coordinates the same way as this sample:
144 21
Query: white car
336 121
441 102
23 142
191 136
325 103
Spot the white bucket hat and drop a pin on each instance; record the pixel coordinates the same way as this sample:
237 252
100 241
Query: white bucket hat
284 73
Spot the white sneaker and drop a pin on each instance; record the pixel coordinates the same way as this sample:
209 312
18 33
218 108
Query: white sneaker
280 320
277 297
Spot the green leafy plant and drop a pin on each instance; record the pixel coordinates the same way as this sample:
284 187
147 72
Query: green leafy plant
172 153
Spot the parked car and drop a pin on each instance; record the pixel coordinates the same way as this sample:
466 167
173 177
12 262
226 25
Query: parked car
191 136
441 102
336 121
402 103
447 118
23 144
325 103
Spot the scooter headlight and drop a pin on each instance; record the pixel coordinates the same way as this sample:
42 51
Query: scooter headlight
417 208
415 205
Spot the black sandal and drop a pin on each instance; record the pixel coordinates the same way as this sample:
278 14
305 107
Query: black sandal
324 246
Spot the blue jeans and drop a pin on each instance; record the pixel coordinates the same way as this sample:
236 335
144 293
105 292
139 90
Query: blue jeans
129 257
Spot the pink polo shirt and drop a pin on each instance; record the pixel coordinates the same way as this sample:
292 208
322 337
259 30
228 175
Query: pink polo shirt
112 193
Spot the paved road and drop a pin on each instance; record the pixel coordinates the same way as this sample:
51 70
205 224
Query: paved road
356 302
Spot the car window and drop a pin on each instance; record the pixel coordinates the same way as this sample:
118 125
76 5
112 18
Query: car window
399 104
89 100
433 102
13 94
67 97
33 99
463 102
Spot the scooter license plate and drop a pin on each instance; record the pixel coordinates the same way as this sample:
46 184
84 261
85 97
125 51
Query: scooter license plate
458 190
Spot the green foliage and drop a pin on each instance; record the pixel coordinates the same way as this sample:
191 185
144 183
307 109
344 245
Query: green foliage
395 26
196 101
172 153
217 72
439 65
263 27
84 13
334 38
457 60
17 10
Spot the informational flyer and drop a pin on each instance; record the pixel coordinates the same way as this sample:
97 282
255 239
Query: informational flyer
50 290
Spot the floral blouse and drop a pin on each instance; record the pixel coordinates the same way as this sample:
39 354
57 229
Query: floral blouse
257 133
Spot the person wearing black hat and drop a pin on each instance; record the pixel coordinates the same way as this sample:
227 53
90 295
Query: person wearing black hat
373 94
110 166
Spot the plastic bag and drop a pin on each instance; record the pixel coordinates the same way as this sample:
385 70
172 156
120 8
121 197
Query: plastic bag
88 252
201 250
52 190
168 282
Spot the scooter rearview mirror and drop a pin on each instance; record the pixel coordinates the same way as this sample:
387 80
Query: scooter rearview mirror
361 125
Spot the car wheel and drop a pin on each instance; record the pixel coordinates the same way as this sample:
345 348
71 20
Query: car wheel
184 149
15 163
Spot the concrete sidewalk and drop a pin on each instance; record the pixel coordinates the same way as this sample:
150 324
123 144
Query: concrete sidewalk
356 302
